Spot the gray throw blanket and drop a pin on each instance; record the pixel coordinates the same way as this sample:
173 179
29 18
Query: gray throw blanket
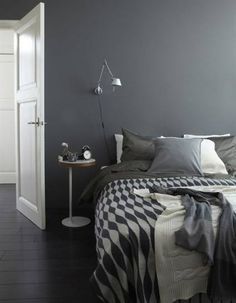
197 234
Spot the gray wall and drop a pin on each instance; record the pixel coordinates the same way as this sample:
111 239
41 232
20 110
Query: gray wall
176 59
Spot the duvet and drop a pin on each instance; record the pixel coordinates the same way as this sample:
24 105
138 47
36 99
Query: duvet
125 229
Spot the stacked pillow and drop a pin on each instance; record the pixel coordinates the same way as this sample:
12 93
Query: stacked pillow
136 147
225 146
187 136
226 149
119 146
177 156
185 156
210 161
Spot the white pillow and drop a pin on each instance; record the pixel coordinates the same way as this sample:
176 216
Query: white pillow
119 144
210 161
204 136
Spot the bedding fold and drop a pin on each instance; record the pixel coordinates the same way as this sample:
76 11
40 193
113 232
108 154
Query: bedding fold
197 221
188 227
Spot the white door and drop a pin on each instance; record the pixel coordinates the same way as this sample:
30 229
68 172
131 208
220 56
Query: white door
29 41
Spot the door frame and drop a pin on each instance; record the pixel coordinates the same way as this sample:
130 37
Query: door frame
9 25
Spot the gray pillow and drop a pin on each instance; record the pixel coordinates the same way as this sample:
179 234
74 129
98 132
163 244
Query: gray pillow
136 147
226 150
177 156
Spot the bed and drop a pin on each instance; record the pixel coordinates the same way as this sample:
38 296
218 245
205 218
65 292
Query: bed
125 229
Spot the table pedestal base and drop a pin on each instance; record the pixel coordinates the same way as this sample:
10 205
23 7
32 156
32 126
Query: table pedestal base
75 221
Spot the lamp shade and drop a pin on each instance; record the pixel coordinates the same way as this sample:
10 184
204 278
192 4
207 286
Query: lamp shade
116 82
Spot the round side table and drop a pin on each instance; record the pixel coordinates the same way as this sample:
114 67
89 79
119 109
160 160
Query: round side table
75 221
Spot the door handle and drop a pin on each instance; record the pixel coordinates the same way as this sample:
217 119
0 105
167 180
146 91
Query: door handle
33 123
38 122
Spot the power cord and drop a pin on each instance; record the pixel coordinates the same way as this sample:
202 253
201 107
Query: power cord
103 129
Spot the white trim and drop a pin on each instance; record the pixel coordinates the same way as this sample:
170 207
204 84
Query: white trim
16 119
29 211
7 178
41 185
8 24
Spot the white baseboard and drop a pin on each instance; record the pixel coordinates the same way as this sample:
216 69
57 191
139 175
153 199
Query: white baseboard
6 177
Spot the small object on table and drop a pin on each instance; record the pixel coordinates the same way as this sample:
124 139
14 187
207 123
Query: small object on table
70 156
75 221
86 153
67 155
65 149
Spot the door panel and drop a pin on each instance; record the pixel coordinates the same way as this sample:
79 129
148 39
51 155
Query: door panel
7 148
6 41
7 114
30 115
27 139
6 82
27 55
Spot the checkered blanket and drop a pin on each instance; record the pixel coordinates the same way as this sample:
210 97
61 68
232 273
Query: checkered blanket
124 228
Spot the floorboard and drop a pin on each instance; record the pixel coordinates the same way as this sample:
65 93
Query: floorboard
52 266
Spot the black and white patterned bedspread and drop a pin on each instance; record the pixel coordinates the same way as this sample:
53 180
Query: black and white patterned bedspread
124 228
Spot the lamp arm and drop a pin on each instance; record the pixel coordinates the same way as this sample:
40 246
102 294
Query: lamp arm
101 73
105 64
98 89
108 68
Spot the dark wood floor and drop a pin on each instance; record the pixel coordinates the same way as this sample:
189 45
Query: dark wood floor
52 266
